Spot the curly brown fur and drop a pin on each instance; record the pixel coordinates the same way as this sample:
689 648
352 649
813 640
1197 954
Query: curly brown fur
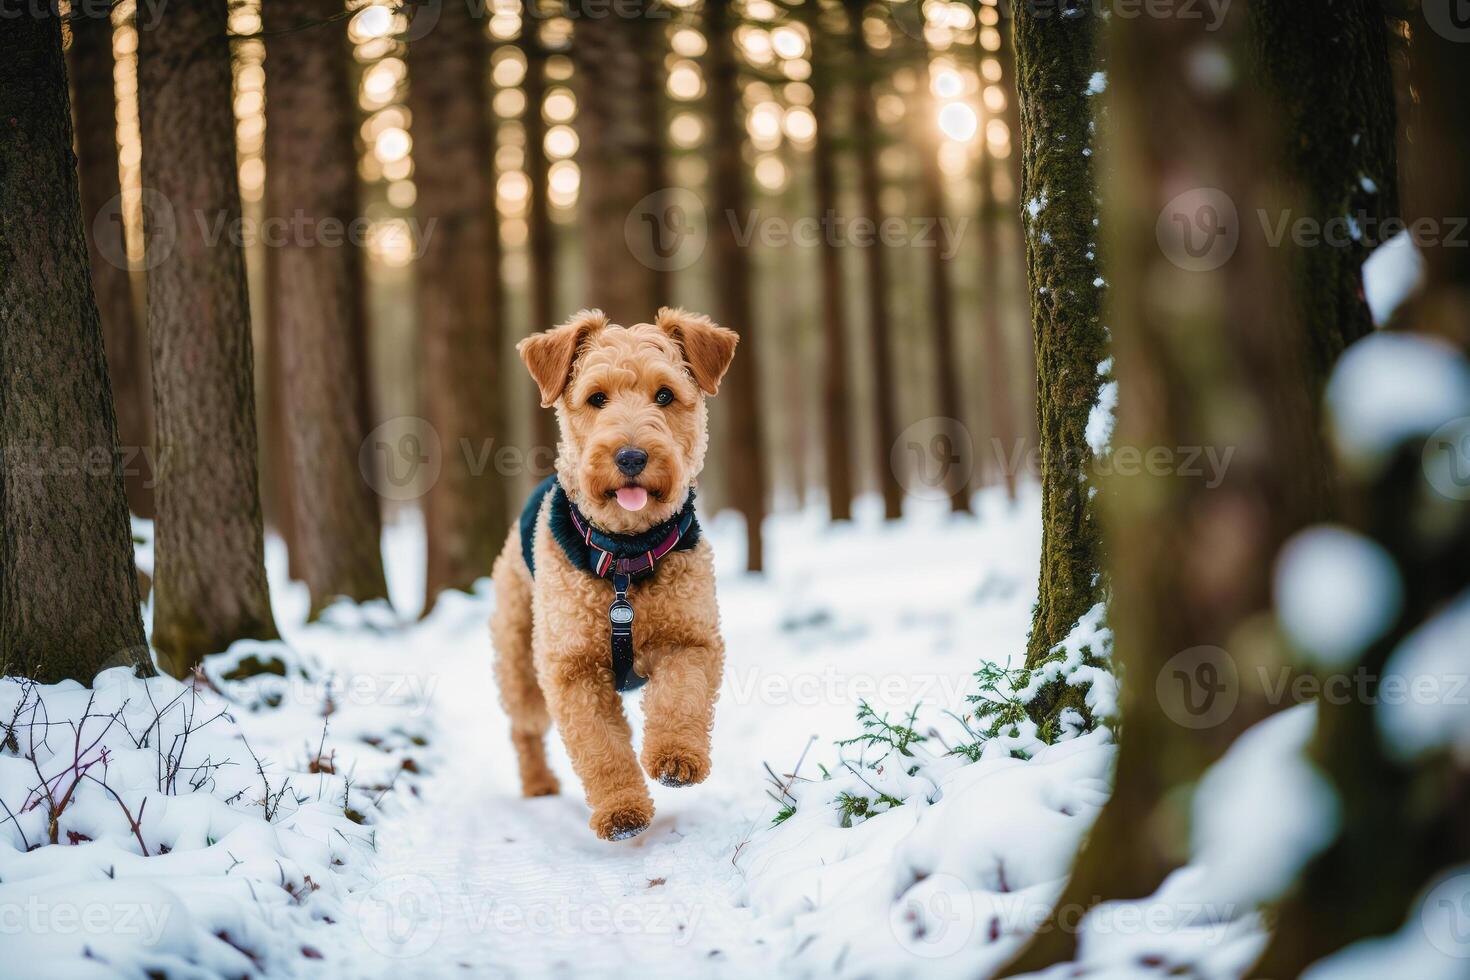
551 633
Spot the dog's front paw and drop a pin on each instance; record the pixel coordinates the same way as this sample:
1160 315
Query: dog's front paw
675 767
623 819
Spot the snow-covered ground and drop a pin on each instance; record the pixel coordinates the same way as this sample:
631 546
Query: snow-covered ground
401 847
475 878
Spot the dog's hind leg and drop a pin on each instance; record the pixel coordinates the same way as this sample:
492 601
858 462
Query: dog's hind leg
515 671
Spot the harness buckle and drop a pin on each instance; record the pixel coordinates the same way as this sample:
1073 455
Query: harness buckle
620 613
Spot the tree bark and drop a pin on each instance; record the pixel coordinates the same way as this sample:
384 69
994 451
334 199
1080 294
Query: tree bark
460 296
1330 97
620 156
94 106
1211 355
865 136
941 310
1332 101
317 301
1403 821
540 233
1056 58
746 459
68 585
836 420
209 577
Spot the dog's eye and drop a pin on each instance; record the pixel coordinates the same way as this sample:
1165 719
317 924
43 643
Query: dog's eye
664 397
597 399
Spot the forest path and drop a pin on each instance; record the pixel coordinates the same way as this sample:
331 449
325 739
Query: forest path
476 881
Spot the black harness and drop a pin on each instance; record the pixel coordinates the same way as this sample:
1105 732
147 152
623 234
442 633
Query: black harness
623 558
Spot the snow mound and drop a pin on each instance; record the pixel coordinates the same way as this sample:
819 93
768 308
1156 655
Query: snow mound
144 836
950 883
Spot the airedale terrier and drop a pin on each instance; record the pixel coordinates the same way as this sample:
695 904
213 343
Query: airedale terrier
606 581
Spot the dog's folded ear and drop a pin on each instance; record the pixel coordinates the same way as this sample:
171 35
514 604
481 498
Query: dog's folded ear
708 348
549 354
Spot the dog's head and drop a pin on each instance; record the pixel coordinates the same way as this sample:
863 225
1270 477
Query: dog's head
630 401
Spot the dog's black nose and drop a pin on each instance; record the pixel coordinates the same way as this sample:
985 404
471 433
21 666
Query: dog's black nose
631 461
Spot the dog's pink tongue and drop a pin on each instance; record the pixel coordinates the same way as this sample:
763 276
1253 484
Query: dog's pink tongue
632 498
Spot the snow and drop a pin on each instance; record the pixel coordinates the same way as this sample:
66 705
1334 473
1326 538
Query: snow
403 849
174 850
1424 698
949 887
1261 812
1390 387
1391 274
1336 592
1101 417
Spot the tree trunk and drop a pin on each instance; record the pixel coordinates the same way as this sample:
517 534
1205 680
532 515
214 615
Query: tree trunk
209 576
68 585
941 310
620 153
540 234
318 303
1211 353
1057 56
1005 439
746 458
1403 821
836 421
94 105
460 296
865 136
1330 96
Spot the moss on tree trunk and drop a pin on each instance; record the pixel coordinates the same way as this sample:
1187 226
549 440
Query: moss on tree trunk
209 581
318 302
1056 58
68 585
461 303
1212 353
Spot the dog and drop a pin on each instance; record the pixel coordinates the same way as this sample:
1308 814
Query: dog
606 581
